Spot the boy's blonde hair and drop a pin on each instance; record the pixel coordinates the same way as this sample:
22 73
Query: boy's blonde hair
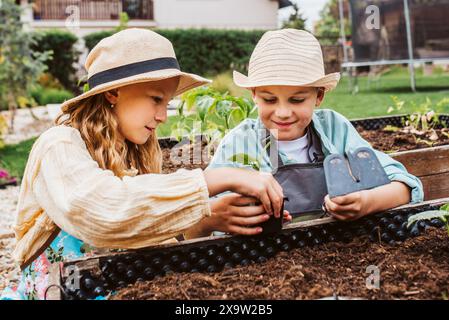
99 129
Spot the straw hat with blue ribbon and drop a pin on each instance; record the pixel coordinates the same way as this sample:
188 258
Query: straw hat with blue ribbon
133 56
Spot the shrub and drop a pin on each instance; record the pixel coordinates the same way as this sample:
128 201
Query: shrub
20 66
61 44
44 96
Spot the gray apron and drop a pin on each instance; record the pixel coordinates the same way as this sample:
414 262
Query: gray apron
304 184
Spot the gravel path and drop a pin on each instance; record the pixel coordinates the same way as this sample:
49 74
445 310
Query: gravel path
8 202
25 126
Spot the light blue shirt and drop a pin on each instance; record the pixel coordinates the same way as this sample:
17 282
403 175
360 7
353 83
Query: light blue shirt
336 133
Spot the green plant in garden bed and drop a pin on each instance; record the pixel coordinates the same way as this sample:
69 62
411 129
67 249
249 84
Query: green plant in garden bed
442 214
422 121
210 105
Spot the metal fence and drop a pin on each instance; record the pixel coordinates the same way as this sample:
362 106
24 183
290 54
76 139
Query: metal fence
93 9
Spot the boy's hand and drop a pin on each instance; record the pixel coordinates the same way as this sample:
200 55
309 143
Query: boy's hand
349 207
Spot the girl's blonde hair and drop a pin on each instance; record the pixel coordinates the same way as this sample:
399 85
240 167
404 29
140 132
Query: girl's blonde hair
99 128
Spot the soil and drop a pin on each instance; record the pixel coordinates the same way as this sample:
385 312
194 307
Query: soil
170 161
416 269
388 141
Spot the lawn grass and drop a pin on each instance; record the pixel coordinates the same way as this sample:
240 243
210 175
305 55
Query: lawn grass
374 97
14 157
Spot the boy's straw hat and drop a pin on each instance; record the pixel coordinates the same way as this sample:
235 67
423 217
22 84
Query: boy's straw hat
133 56
287 57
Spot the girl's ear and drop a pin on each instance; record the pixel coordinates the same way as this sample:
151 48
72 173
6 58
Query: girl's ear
112 96
253 92
320 96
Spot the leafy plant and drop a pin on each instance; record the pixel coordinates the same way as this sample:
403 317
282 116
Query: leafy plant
209 105
295 20
327 27
124 19
20 66
422 121
247 160
442 214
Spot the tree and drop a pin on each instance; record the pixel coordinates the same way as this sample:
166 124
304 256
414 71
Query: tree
328 27
20 66
296 20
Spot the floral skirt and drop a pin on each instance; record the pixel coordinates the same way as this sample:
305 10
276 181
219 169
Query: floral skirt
35 278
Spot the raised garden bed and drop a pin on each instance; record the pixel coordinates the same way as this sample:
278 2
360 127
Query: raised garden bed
311 259
108 273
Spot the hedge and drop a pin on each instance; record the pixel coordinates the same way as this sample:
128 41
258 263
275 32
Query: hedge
44 96
203 51
61 66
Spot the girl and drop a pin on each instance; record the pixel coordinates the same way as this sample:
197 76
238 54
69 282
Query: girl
287 80
93 181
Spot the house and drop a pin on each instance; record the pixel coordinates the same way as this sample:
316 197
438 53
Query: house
86 16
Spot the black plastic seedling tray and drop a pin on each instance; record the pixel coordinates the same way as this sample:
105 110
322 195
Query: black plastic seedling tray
101 275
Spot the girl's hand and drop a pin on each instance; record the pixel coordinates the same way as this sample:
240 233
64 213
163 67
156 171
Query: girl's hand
238 214
233 213
259 185
262 186
349 207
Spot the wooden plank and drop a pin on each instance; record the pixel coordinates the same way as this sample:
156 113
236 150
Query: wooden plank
424 162
54 283
435 186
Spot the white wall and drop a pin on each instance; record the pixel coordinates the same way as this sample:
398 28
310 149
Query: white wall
222 14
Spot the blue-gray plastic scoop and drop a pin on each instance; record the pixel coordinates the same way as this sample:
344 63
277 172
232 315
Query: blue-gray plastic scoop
360 171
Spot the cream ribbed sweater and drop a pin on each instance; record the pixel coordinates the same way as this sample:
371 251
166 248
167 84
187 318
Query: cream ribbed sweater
64 187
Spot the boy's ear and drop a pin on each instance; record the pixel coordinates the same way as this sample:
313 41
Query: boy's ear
112 96
320 96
